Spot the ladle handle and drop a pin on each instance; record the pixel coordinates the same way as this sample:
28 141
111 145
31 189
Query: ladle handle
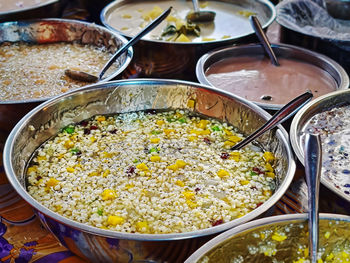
263 39
280 116
313 164
136 38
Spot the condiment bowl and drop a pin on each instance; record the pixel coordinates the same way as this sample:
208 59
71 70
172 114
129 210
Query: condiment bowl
335 73
277 238
43 31
101 245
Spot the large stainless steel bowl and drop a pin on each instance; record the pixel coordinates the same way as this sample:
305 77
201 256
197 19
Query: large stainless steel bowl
101 245
301 119
247 241
282 50
51 31
154 58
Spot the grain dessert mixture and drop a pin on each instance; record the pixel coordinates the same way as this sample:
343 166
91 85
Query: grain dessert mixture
32 71
150 172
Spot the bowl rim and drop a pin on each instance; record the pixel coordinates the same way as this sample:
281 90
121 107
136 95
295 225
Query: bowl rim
106 9
200 66
33 7
129 52
12 178
258 223
295 134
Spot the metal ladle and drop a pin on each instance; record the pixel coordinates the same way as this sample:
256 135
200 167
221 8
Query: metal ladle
200 16
313 164
280 116
263 39
83 76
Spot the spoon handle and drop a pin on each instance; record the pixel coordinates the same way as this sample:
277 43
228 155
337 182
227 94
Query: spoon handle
280 116
136 38
313 158
195 5
263 39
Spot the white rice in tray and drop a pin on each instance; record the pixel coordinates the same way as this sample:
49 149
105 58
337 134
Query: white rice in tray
150 172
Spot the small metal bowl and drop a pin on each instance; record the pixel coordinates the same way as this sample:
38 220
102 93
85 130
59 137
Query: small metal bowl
297 130
338 8
100 245
254 242
281 50
52 31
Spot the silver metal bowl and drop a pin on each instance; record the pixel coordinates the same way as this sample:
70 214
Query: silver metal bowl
161 59
49 8
301 119
281 50
338 8
243 241
51 31
101 245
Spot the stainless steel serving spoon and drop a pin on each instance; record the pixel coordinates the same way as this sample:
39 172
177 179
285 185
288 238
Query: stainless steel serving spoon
263 39
313 164
83 76
280 116
200 16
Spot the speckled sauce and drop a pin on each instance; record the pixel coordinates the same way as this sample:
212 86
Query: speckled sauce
334 127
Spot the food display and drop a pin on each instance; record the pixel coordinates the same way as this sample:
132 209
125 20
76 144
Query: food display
230 21
150 172
257 79
33 71
283 242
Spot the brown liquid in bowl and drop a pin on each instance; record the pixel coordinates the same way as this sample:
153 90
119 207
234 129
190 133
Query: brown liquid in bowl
256 79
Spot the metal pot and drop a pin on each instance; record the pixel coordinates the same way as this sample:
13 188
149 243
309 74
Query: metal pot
281 50
161 59
249 242
302 118
51 31
100 245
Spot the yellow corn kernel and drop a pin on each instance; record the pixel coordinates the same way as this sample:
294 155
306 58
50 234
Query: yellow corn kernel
52 182
330 257
107 155
188 194
126 16
68 144
180 183
180 163
208 39
41 158
93 139
106 173
108 194
101 118
225 36
244 182
268 167
145 192
267 193
115 220
270 174
306 252
70 169
235 156
142 226
173 167
182 38
229 144
320 260
32 169
191 204
155 12
142 167
223 173
262 236
202 124
206 132
192 138
234 138
154 158
278 236
191 103
327 234
269 157
159 122
129 186
94 173
168 131
154 140
228 132
195 132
